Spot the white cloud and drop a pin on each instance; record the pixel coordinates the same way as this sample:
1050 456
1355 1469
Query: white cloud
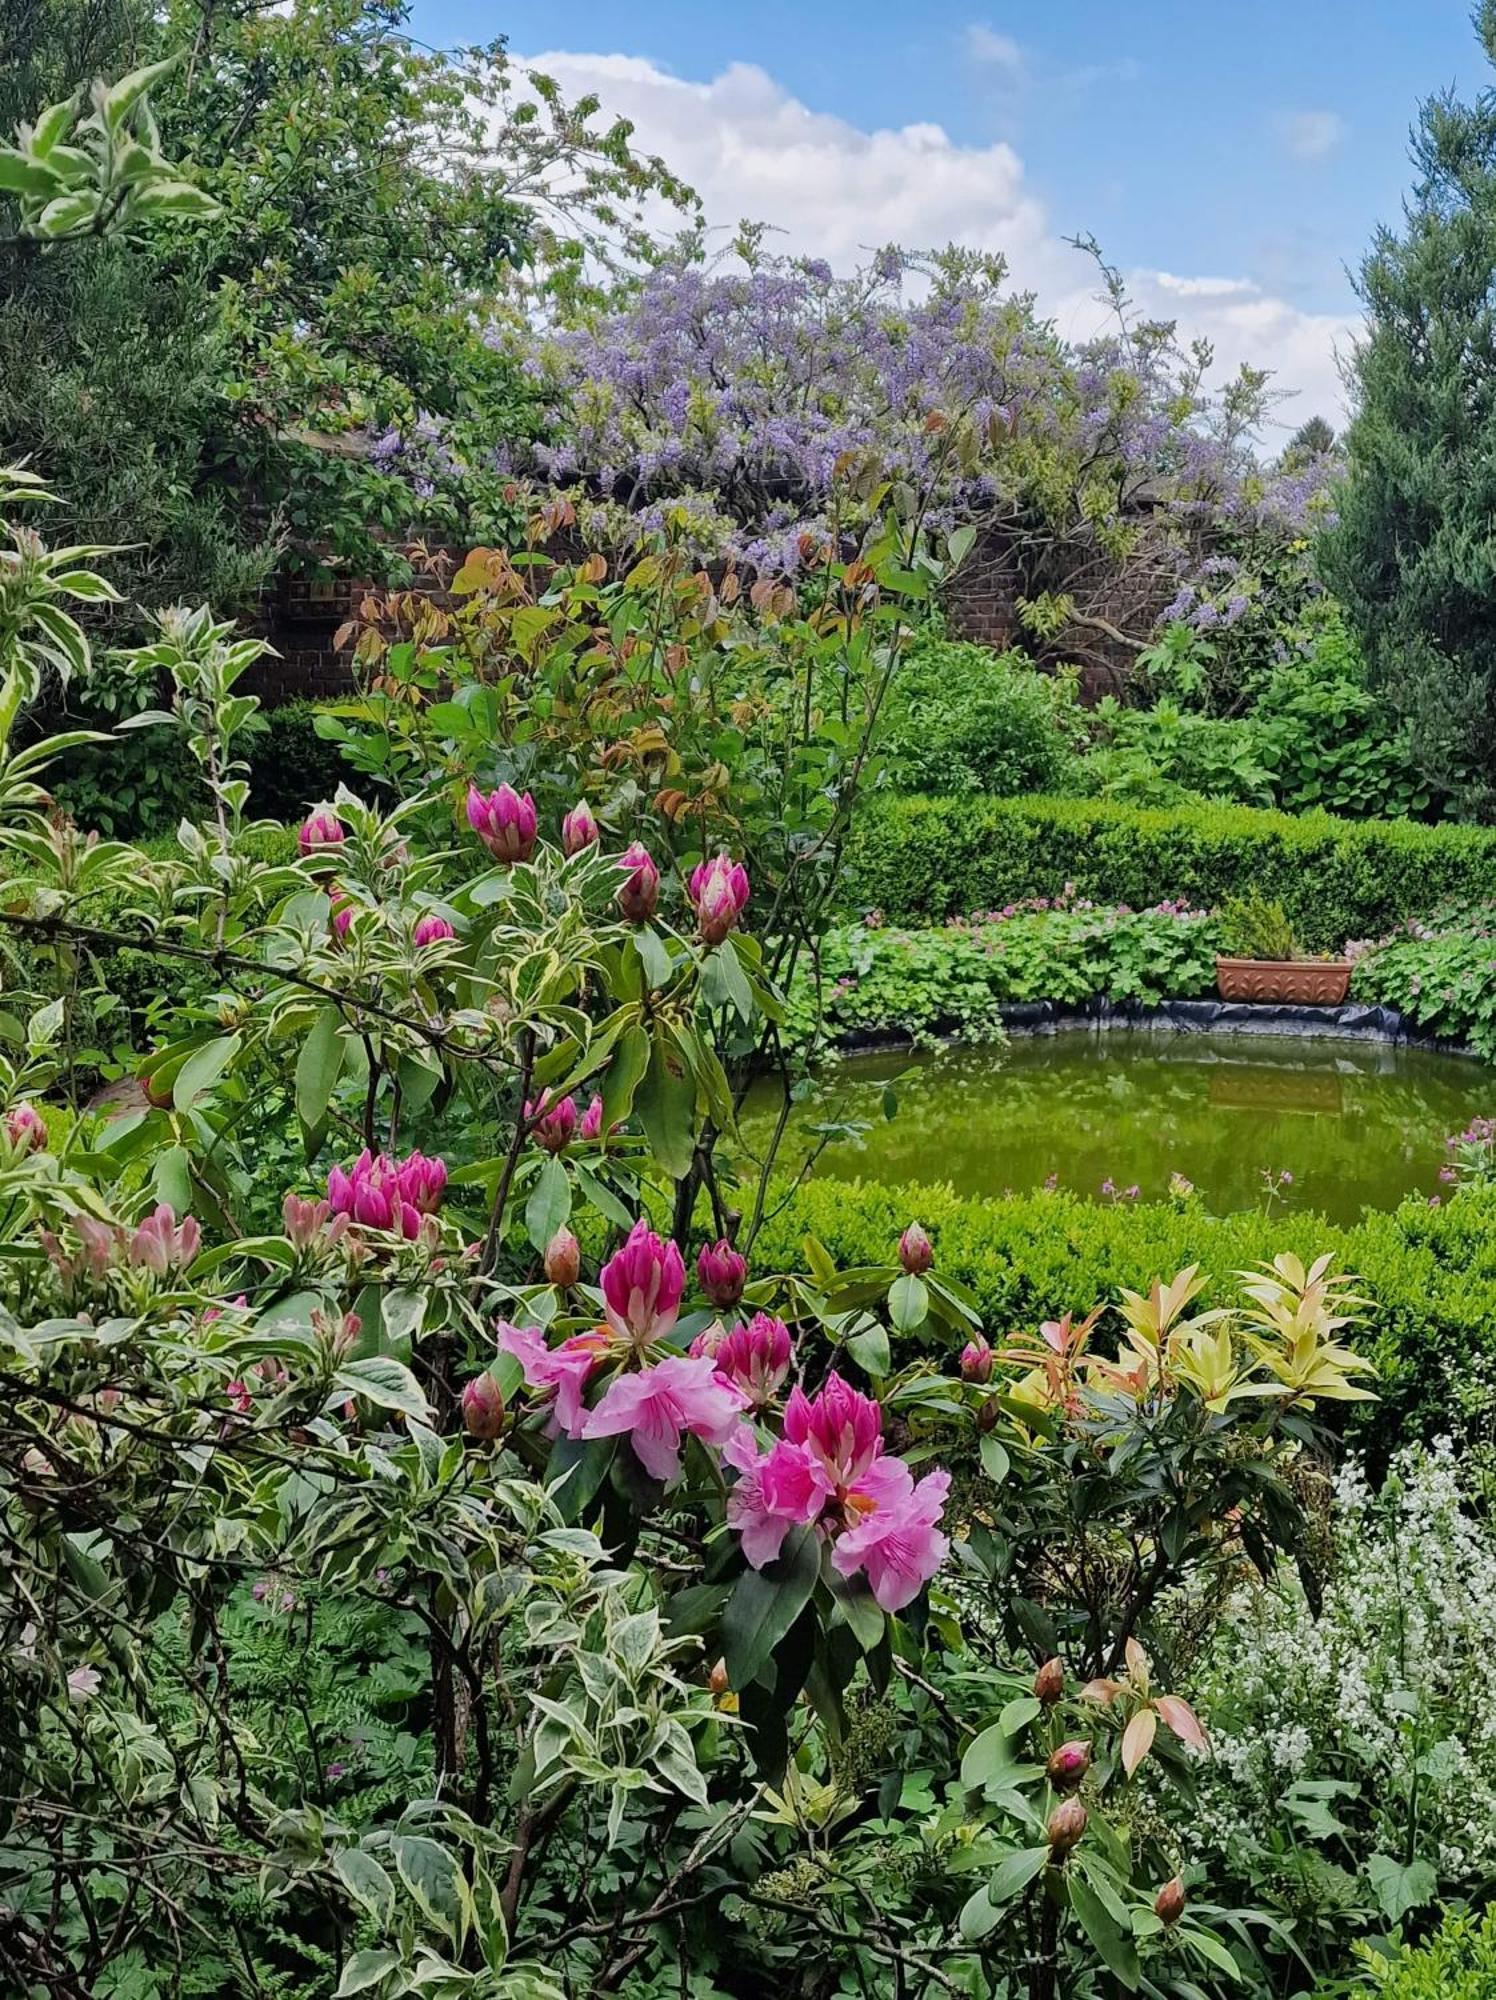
836 190
1311 135
986 45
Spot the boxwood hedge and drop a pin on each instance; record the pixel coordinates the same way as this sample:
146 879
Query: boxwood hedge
1430 1273
920 860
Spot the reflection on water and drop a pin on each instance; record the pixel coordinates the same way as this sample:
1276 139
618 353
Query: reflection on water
1356 1124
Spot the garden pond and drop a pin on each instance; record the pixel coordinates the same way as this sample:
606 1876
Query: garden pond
1334 1126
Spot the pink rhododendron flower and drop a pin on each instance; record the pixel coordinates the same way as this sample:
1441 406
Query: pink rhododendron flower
894 1540
915 1252
640 894
642 1285
563 1371
721 1273
772 1494
976 1361
841 1429
319 830
504 821
25 1129
756 1358
552 1125
432 930
659 1404
719 892
381 1194
590 1125
578 829
160 1245
339 912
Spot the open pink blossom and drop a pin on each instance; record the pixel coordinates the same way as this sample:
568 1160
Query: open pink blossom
894 1538
719 893
642 1285
659 1404
772 1494
504 821
563 1371
756 1358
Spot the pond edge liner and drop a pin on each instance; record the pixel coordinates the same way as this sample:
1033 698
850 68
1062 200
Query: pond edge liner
1354 1022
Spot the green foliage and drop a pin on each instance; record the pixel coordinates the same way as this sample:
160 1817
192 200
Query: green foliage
955 979
965 719
1458 1963
1441 974
1409 554
1257 926
1164 756
1028 1258
921 860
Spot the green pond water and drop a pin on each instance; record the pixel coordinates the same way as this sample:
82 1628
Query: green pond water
1357 1125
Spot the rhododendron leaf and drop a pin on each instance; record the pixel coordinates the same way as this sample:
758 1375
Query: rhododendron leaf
202 1070
654 957
995 1461
1015 1871
318 1067
766 1602
979 1915
1018 1714
382 1380
624 1074
665 1101
171 1177
550 1202
869 1349
602 1198
1115 1949
858 1606
908 1303
1137 1739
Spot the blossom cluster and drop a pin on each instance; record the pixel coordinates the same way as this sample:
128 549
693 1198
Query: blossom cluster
381 1193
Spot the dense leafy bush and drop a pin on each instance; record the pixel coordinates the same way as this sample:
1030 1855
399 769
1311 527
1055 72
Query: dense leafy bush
955 979
1354 1777
965 719
1025 1258
1440 973
921 860
1459 1963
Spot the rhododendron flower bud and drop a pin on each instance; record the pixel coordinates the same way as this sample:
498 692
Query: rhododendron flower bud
756 1358
1068 1765
642 1285
1168 1904
915 1253
483 1407
639 896
563 1259
504 821
25 1128
339 912
717 1679
372 1193
1049 1683
721 1272
719 891
976 1361
422 1182
432 930
309 1222
590 1125
552 1126
841 1429
160 1245
708 1341
319 830
1067 1826
578 829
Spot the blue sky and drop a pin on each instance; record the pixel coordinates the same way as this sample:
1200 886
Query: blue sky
1199 139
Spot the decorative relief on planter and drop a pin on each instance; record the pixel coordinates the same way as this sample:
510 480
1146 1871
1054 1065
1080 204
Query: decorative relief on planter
1309 982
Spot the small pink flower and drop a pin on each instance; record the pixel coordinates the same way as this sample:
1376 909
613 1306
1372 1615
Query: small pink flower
756 1358
976 1361
639 896
642 1285
578 829
319 831
659 1404
432 930
339 912
915 1252
25 1129
772 1494
841 1429
721 1272
483 1407
160 1245
896 1542
590 1125
422 1182
719 892
562 1372
504 821
311 1222
552 1126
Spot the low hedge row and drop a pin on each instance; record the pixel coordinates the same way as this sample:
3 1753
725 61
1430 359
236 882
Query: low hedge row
1430 1272
921 860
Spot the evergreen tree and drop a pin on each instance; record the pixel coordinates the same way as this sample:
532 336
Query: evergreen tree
1413 553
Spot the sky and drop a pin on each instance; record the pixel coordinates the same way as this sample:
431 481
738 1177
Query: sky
1232 156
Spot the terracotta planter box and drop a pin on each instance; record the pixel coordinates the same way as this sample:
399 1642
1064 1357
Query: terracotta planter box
1294 982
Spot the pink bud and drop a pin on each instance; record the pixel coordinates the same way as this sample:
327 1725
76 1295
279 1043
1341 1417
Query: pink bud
1067 1826
483 1407
319 830
578 829
639 897
504 821
432 930
1168 1904
719 891
721 1272
756 1358
552 1126
25 1129
563 1259
976 1361
915 1253
1049 1683
421 1182
339 912
642 1285
1068 1765
591 1124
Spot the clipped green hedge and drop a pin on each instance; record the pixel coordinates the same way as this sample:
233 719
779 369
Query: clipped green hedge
1457 1963
1431 1273
921 860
